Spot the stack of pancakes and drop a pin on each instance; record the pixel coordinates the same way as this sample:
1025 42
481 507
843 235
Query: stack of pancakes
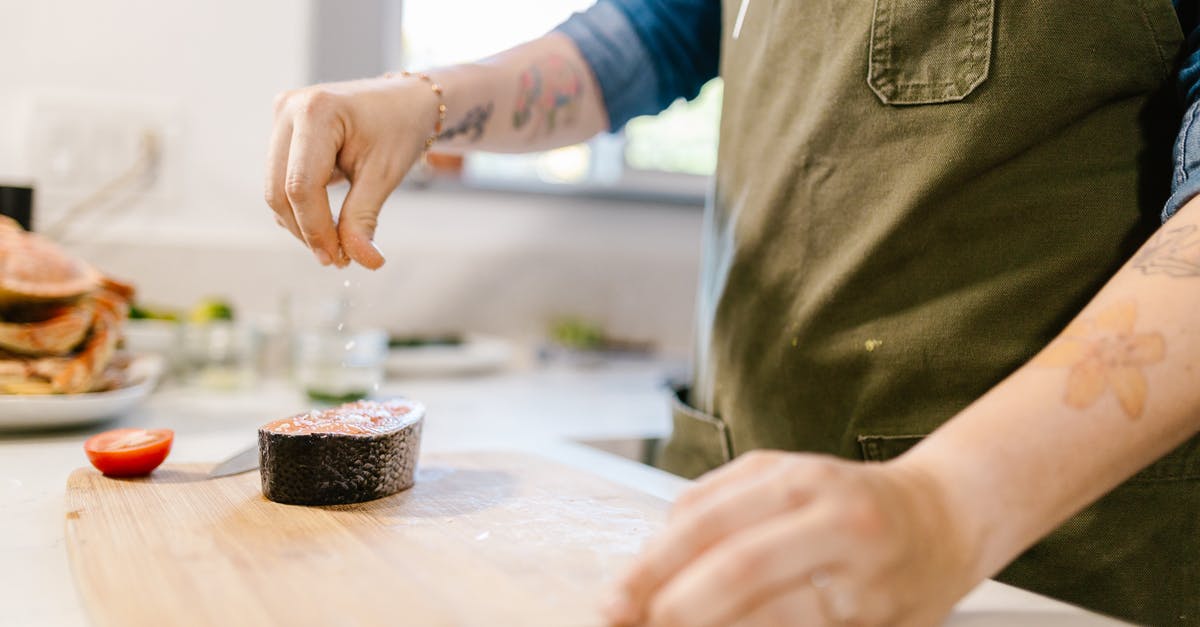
60 319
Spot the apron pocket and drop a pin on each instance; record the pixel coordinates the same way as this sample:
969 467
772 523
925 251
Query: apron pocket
698 443
880 448
929 51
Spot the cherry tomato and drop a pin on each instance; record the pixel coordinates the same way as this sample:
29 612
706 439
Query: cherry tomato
129 452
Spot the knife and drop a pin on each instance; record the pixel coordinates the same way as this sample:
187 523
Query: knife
243 461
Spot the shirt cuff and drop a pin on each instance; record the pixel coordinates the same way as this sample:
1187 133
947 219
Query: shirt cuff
1185 184
620 62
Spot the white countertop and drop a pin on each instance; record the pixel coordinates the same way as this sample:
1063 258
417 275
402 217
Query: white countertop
541 411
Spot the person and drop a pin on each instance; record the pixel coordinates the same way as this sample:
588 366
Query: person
934 284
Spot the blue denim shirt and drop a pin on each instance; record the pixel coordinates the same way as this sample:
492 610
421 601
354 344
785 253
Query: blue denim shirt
647 53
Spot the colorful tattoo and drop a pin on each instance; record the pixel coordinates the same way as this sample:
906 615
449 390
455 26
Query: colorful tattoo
473 124
1175 253
548 94
1105 354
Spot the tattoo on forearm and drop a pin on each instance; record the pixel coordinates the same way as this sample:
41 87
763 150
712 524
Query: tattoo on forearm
1175 253
1103 354
472 125
548 95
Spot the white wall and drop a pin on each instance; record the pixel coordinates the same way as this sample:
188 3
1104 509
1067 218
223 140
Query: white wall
219 62
473 261
503 264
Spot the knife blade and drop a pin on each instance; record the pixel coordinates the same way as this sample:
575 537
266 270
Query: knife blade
243 461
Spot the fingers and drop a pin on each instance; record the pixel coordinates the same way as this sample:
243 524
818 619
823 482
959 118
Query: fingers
283 225
740 573
733 473
856 534
277 159
799 605
310 161
360 216
700 528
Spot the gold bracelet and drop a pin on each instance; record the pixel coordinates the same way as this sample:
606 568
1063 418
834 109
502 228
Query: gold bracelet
441 108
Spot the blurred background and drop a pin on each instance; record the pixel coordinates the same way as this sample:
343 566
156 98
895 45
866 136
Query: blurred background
142 126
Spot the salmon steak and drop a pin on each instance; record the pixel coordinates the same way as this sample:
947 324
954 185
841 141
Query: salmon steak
347 454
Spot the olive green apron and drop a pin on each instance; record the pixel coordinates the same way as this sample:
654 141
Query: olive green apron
912 198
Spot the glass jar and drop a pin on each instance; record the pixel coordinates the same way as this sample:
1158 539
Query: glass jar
335 367
219 355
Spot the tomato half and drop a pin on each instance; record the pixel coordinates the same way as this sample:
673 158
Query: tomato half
129 452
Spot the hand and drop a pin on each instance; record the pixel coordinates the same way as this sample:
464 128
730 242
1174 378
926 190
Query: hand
369 132
794 539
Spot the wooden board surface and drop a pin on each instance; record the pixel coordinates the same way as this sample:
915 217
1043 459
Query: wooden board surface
482 539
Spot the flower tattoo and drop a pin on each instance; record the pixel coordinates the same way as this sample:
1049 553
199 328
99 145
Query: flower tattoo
548 93
1103 354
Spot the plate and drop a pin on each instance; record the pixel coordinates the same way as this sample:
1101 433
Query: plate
46 411
478 354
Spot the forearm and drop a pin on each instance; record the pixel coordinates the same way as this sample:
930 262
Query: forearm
535 96
1110 395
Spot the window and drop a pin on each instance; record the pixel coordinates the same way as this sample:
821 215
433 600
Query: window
442 32
668 156
681 139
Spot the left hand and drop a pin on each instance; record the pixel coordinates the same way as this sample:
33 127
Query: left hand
796 539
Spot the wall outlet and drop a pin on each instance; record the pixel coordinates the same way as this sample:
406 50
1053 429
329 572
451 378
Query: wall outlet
110 148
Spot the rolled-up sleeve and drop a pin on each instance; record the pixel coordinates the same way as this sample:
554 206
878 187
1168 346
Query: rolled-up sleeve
1185 184
645 54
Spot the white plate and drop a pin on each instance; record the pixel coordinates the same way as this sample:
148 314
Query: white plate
45 411
478 354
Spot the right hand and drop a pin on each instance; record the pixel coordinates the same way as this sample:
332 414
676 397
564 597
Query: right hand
369 132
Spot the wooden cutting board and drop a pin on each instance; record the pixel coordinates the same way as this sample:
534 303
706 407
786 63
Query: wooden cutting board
482 539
